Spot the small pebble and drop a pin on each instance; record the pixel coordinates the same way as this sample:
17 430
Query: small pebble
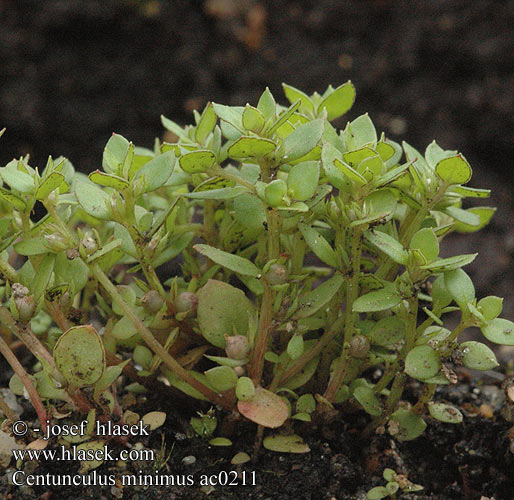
189 460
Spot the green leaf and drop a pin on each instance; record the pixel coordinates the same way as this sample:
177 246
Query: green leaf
281 126
12 199
335 176
108 180
109 376
114 154
350 173
220 441
484 214
459 286
245 389
253 119
197 161
249 211
222 309
319 245
43 275
302 140
75 272
313 301
17 179
31 246
388 331
465 217
124 329
491 307
454 170
53 181
264 408
286 444
275 191
294 95
295 347
377 493
204 426
451 263
387 244
216 194
362 132
378 300
206 124
410 425
422 362
233 262
477 356
251 147
426 242
227 361
93 200
339 101
157 171
302 180
230 114
499 331
306 404
174 128
267 104
470 192
366 397
222 378
445 413
80 356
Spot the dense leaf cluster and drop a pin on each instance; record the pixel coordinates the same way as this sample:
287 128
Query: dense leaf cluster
309 260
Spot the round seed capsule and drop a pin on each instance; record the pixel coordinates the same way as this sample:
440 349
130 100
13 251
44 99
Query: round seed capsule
277 274
359 347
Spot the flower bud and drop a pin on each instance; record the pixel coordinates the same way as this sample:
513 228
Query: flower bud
359 347
237 346
186 301
152 301
26 307
89 244
277 274
19 291
240 371
55 242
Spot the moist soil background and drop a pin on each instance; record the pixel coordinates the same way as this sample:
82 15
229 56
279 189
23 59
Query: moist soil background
74 71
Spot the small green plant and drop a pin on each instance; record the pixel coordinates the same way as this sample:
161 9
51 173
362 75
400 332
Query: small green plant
395 483
309 259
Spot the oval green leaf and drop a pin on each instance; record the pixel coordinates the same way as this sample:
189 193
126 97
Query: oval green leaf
422 362
80 356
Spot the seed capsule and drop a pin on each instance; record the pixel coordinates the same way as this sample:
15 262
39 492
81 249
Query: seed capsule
26 307
152 301
186 301
277 274
237 346
359 347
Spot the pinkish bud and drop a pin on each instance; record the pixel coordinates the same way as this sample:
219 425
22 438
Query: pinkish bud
277 274
186 301
152 301
26 307
237 347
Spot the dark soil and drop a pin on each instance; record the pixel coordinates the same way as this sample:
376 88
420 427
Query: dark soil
452 462
74 71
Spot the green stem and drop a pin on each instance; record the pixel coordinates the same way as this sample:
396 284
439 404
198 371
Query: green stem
425 398
154 344
352 293
297 365
27 383
263 335
218 171
50 208
8 271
